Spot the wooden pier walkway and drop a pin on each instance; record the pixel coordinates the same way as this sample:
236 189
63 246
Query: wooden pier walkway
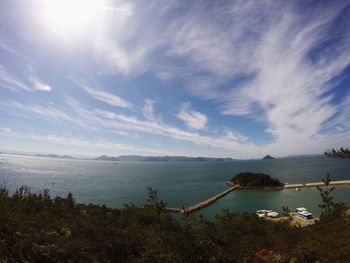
232 187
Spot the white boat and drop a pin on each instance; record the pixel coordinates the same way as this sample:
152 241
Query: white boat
272 214
267 213
261 213
303 213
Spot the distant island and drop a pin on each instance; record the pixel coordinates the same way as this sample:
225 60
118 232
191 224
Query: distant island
55 156
106 158
139 158
255 180
268 157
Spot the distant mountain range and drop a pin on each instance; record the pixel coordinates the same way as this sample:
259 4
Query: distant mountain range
55 156
152 158
161 158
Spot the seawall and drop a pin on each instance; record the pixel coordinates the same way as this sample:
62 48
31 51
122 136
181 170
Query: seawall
202 204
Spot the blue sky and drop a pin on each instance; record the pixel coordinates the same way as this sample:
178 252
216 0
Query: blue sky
237 79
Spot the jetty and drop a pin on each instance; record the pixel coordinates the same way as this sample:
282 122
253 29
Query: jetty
319 184
232 187
202 204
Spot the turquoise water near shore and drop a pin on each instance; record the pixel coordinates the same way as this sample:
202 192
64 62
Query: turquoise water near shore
179 184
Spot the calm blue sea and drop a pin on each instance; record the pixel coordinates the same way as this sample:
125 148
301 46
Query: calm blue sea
178 184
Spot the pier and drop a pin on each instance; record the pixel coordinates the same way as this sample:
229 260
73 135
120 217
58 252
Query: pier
232 187
320 184
202 204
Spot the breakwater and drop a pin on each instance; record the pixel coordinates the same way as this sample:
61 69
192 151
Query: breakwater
232 187
320 184
202 204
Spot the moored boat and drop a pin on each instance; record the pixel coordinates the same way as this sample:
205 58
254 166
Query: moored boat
304 213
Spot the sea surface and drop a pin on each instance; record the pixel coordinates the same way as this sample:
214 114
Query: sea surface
178 183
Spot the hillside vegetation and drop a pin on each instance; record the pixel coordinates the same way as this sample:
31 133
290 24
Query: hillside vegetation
38 228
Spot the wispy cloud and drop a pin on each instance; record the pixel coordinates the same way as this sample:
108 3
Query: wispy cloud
193 119
118 59
37 83
96 145
148 110
226 141
7 48
104 96
289 90
265 61
48 112
261 60
4 129
9 81
111 120
238 145
164 75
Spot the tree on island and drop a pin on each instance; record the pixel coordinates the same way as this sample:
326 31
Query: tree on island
268 157
255 180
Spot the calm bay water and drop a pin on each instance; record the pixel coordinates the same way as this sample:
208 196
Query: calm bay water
178 184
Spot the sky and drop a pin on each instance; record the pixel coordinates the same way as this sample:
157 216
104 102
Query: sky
238 79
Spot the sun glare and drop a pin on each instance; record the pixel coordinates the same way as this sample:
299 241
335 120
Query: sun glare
69 16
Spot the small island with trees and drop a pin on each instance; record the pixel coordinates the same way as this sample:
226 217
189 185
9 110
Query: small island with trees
248 180
268 157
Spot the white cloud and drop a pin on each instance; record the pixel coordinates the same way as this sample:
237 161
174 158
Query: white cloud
164 75
118 121
7 80
48 112
254 59
193 119
117 59
123 133
104 96
148 110
233 143
6 47
288 91
269 60
265 61
4 129
235 136
37 83
342 120
110 120
96 145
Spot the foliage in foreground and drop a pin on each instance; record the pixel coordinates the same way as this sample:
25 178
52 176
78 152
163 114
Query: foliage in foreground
341 153
38 228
